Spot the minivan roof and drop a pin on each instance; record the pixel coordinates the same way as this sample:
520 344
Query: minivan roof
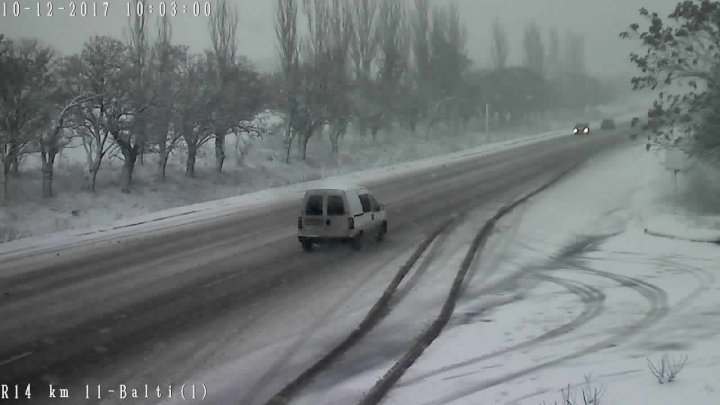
348 187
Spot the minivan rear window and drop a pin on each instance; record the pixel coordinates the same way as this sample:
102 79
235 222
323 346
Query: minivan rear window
335 205
314 205
365 201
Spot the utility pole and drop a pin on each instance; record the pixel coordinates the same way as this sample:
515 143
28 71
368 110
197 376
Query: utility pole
487 121
675 173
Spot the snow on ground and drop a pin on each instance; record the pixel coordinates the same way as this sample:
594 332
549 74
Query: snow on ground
110 213
598 297
251 165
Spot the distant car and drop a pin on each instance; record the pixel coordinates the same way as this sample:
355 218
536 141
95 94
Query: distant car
345 215
582 128
607 124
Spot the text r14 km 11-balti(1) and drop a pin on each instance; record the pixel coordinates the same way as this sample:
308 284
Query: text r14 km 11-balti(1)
95 392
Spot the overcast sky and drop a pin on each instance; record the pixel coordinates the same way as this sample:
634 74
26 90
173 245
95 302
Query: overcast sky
600 20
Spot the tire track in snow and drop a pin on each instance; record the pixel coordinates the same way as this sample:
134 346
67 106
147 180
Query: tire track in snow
593 303
378 391
658 308
294 387
380 309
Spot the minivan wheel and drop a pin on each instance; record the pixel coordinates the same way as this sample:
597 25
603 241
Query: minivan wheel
357 242
306 245
382 232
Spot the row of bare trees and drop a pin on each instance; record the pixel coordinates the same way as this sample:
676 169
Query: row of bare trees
554 66
133 97
370 64
374 63
377 64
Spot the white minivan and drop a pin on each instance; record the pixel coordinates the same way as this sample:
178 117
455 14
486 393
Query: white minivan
340 215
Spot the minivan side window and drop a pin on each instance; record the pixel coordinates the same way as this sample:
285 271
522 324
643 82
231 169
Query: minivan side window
335 205
375 204
366 204
314 205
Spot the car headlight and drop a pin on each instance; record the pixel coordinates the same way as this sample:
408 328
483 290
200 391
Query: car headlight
586 130
575 130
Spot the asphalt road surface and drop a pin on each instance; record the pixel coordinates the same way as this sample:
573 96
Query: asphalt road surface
158 308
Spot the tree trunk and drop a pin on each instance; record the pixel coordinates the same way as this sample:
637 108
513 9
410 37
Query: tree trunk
362 127
130 155
334 138
219 152
14 157
304 139
6 177
190 165
162 163
290 140
303 145
93 177
48 163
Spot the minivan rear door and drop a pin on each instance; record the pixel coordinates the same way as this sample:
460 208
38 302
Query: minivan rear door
336 215
314 215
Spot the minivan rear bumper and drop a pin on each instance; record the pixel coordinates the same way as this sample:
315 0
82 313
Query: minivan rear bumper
324 239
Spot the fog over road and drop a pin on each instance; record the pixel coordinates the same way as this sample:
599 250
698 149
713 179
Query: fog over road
163 308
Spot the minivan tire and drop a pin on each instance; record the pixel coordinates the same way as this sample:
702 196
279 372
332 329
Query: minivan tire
382 232
356 243
307 245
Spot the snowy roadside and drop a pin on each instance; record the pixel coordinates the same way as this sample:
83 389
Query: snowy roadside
255 175
98 226
597 299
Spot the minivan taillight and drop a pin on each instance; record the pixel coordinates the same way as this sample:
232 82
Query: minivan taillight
299 222
351 223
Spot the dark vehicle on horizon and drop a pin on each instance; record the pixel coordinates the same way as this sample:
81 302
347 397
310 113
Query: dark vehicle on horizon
607 124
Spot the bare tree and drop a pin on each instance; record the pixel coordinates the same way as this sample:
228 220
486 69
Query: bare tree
534 52
192 116
421 40
449 62
167 62
223 28
24 78
338 103
286 13
51 141
364 50
101 68
574 57
574 72
317 62
393 40
499 49
553 55
131 141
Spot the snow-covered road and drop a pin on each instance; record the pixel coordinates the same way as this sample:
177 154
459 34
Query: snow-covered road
570 293
231 301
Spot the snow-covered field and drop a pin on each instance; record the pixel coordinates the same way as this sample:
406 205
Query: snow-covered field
600 298
260 166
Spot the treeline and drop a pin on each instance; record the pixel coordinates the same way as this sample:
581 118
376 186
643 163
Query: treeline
133 97
374 65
